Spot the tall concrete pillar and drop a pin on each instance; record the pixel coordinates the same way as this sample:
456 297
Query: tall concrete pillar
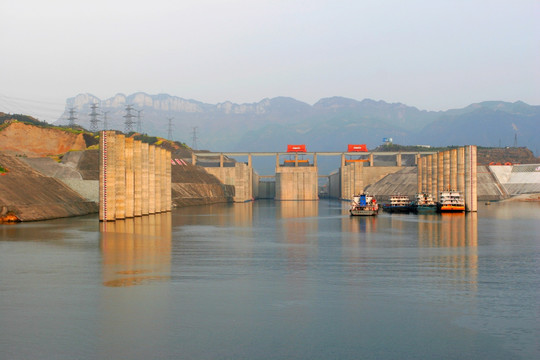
419 175
221 160
461 169
168 186
371 160
446 170
453 169
424 173
145 177
250 161
107 176
137 173
435 176
315 159
193 159
398 159
120 177
163 161
429 180
130 178
471 197
157 180
277 161
342 160
440 172
151 179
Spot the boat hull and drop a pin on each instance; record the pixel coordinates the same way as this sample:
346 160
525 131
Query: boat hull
363 212
424 209
396 209
450 208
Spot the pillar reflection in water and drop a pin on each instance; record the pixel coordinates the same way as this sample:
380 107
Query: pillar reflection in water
459 231
297 228
136 251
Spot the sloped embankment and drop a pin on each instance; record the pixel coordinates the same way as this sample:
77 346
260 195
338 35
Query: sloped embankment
29 195
192 185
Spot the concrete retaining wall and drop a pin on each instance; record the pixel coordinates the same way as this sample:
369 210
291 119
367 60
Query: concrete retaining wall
240 176
296 183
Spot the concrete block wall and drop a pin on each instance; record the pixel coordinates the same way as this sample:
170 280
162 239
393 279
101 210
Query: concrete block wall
352 180
297 183
134 178
240 176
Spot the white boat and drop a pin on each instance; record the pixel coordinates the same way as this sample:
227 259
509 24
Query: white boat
424 203
398 203
451 201
363 205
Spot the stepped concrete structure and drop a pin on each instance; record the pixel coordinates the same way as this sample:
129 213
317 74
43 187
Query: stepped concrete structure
122 167
455 169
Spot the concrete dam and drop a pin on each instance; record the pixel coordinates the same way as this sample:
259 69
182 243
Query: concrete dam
298 179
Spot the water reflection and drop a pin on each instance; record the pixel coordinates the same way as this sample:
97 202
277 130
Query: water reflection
457 231
299 222
136 251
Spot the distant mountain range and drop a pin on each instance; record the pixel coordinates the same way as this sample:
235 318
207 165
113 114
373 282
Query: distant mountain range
328 125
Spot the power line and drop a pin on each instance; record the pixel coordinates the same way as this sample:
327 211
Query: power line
128 123
194 138
105 125
169 132
139 121
72 117
94 118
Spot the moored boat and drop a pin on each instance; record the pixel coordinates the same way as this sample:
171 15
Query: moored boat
423 203
450 201
363 205
398 204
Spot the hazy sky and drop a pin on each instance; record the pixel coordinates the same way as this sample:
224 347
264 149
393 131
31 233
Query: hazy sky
435 55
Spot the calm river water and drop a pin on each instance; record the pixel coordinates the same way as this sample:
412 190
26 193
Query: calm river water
274 280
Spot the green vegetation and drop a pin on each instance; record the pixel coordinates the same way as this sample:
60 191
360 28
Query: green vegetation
2 169
146 139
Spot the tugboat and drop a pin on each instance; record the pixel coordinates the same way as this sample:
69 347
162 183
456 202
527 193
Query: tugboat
423 203
450 201
364 205
398 204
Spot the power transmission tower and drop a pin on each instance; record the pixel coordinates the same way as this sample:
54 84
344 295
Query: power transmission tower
72 117
194 139
139 121
169 132
105 125
94 118
128 123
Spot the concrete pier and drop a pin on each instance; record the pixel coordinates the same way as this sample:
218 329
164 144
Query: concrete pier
471 184
296 183
450 170
352 179
128 173
107 176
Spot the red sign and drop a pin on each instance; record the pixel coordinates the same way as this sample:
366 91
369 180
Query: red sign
296 148
357 147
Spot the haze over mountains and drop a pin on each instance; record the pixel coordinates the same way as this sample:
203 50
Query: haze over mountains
328 125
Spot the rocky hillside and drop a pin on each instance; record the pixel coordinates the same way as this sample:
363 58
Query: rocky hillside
24 139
